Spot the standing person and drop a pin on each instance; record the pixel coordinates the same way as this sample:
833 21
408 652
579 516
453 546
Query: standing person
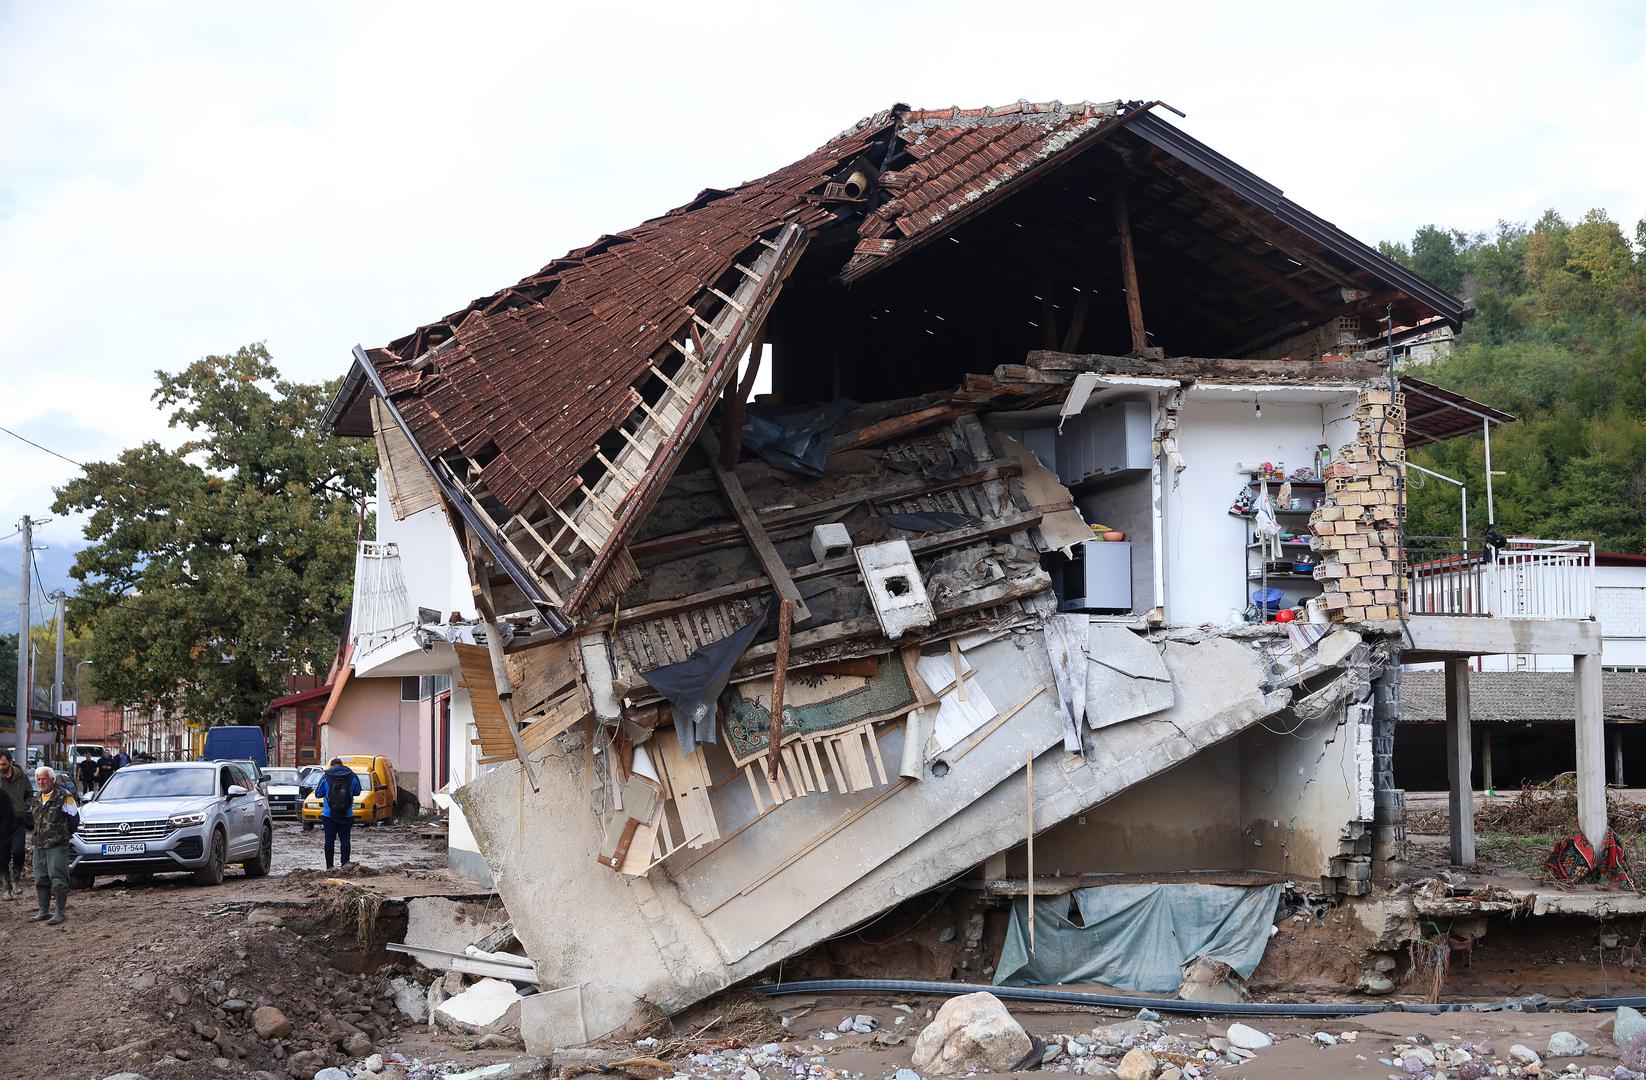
105 769
87 771
122 759
55 815
336 791
14 786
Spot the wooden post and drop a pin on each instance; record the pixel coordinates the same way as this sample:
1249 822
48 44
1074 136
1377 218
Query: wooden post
1128 266
732 408
1458 747
1028 772
1486 781
774 740
1591 749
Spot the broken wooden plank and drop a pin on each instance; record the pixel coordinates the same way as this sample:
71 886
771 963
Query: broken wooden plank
897 427
780 670
749 521
689 787
1128 272
827 509
737 590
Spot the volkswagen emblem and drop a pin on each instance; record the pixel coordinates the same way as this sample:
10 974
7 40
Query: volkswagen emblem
125 826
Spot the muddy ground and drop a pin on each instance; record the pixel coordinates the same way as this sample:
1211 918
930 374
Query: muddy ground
161 976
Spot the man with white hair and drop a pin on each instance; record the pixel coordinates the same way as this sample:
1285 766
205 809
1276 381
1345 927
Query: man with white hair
55 815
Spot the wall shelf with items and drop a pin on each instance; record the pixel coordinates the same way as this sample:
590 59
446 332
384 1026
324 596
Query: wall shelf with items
1292 574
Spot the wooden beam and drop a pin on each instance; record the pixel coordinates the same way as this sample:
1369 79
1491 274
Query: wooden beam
733 405
1128 268
737 590
749 521
780 670
713 535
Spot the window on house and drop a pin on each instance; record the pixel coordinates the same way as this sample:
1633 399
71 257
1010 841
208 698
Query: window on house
410 688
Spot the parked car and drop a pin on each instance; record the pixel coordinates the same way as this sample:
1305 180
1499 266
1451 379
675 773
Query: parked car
258 774
286 793
378 791
79 752
162 817
308 776
235 742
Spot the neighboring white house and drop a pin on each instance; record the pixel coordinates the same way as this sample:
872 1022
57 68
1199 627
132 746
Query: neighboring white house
1620 608
411 602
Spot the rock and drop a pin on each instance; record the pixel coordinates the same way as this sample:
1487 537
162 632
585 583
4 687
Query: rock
235 1005
358 1044
1375 982
178 995
261 917
1564 1044
1627 1022
1136 1030
1325 1038
971 1033
1384 963
1148 1015
1248 1038
374 1064
270 1023
1138 1064
1524 1055
1472 1070
947 934
126 1076
305 1063
1209 980
496 1041
333 1073
907 1074
144 982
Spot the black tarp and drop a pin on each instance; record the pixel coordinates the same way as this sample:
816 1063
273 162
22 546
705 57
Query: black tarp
794 440
693 685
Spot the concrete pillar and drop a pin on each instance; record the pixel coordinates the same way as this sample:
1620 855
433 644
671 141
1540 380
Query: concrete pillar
1591 748
1388 801
1459 747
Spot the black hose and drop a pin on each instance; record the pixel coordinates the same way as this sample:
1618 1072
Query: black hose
1168 1005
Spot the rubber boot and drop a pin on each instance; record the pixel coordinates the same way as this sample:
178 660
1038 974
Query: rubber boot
43 894
62 894
5 878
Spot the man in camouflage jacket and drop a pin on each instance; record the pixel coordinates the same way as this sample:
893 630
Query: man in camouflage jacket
56 813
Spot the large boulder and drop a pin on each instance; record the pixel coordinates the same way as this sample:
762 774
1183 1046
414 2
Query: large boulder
971 1033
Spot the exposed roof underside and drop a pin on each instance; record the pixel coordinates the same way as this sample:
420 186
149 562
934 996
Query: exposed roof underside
521 396
1434 414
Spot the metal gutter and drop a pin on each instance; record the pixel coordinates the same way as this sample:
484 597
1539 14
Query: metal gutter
457 500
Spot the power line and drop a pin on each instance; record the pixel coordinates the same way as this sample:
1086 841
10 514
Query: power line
141 489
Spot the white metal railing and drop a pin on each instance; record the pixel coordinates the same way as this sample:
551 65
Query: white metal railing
382 608
1526 578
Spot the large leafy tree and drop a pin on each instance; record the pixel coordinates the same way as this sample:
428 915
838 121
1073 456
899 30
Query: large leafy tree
216 569
1560 341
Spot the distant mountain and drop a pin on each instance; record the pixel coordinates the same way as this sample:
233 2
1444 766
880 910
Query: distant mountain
54 563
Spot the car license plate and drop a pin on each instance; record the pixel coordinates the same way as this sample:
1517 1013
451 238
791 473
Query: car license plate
128 848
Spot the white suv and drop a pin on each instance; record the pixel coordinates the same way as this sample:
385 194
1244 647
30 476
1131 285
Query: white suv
168 816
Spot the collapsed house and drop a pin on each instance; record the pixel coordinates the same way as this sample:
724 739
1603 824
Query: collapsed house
1066 410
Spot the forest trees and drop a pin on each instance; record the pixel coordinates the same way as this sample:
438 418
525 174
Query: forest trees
218 568
1559 340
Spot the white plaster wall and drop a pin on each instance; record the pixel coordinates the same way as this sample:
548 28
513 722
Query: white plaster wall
1205 547
1301 784
430 559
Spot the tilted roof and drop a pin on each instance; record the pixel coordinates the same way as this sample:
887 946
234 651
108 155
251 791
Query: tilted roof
516 390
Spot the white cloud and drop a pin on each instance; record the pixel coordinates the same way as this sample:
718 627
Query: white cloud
185 178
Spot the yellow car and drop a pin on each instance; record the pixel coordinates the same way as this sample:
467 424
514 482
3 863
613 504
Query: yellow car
378 791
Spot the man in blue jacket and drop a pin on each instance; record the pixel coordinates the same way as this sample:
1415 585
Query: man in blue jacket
336 791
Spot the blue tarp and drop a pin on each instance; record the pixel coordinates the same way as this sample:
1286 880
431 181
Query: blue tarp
1137 937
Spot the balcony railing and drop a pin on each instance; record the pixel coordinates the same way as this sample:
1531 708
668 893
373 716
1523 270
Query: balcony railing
1526 578
382 609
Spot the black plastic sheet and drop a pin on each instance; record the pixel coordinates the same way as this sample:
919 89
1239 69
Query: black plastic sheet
693 685
795 441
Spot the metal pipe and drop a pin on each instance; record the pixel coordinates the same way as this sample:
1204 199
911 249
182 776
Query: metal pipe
1171 1005
1491 507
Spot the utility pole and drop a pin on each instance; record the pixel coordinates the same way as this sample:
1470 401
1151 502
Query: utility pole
57 683
24 585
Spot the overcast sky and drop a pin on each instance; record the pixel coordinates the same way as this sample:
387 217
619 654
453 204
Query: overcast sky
178 179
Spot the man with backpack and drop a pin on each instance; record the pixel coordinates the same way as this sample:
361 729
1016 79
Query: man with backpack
336 791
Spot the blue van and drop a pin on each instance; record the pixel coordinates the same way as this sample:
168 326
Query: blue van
236 742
